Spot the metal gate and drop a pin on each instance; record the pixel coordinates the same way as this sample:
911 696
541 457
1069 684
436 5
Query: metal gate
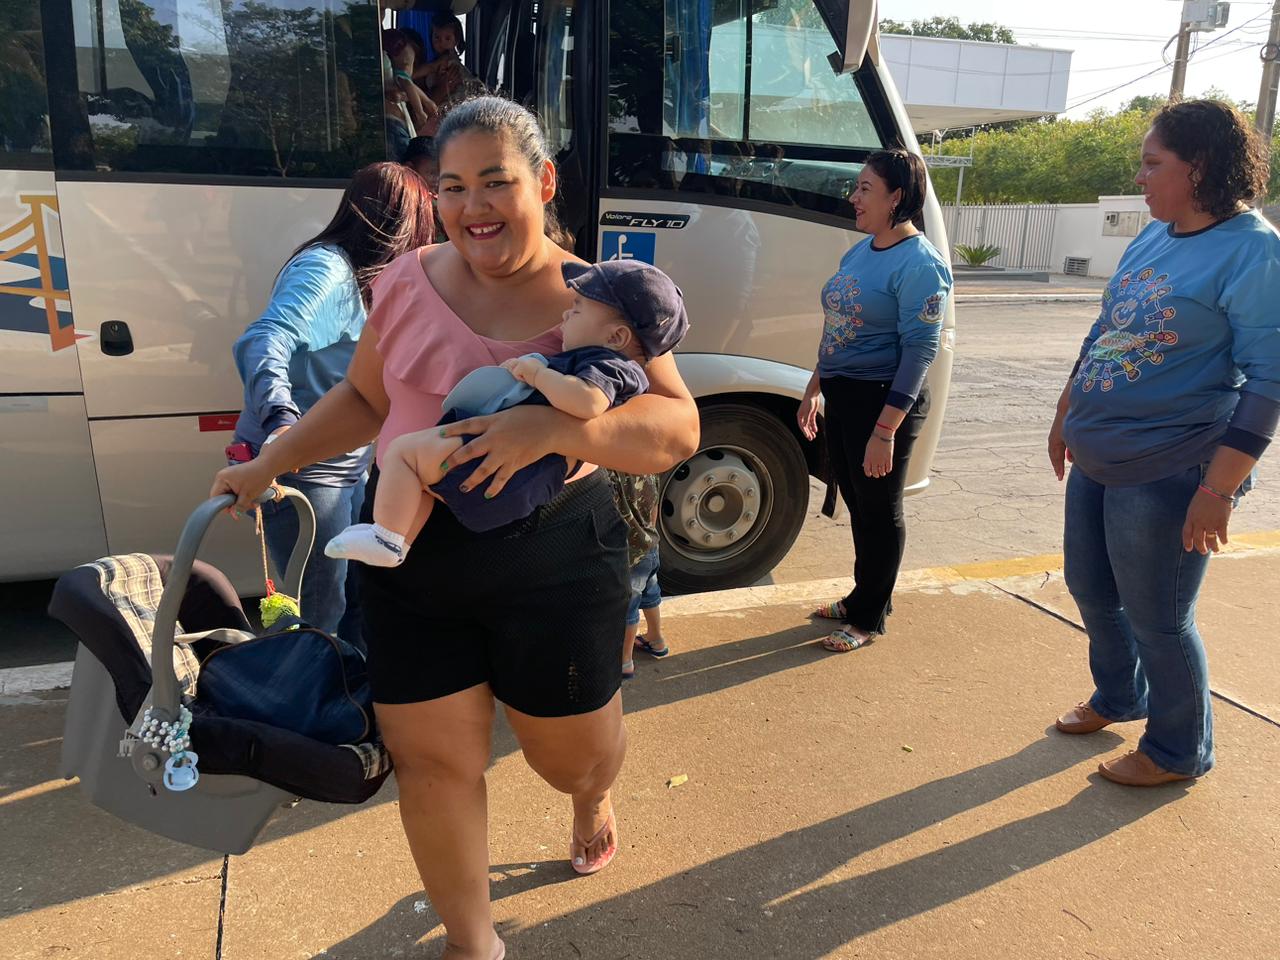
1022 231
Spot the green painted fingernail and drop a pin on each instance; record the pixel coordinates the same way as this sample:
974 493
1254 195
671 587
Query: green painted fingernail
488 495
444 431
445 466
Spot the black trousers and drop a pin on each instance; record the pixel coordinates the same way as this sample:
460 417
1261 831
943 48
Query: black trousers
874 503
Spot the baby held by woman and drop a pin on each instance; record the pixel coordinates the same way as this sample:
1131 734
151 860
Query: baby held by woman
624 314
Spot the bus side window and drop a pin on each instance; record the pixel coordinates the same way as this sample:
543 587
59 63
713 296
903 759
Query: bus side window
252 88
25 143
707 97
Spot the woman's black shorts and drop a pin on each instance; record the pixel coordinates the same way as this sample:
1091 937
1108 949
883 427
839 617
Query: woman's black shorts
537 609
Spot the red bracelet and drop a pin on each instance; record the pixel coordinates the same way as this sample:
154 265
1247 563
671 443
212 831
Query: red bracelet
885 426
1218 494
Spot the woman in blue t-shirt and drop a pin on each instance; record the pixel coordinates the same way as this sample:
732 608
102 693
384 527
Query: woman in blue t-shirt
883 311
1174 398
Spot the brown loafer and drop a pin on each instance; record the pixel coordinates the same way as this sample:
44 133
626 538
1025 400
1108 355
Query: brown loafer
1136 769
1082 718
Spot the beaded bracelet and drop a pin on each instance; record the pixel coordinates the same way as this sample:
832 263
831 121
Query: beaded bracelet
1217 493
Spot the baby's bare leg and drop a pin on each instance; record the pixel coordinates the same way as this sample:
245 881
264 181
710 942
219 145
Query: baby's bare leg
413 462
400 506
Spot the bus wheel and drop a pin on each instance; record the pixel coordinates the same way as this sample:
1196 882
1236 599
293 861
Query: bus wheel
731 511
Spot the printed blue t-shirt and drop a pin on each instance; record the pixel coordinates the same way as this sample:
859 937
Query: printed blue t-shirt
883 314
1184 356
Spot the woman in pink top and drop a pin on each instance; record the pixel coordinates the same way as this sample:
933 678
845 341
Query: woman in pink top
528 614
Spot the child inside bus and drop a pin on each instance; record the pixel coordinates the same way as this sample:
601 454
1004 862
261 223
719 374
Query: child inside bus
444 75
624 313
423 110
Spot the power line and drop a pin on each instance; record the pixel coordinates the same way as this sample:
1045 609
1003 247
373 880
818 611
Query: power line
1128 83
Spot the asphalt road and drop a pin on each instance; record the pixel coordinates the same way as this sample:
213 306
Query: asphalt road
993 495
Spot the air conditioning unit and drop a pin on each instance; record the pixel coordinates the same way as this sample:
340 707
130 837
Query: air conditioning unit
1076 266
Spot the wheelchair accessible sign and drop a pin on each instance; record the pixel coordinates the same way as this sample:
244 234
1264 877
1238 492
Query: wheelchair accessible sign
628 245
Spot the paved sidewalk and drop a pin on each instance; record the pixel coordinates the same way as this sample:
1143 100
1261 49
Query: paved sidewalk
908 800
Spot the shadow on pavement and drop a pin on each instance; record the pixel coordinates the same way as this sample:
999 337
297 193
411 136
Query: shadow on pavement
690 912
110 854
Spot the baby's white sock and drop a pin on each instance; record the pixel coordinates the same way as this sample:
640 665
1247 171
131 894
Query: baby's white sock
369 543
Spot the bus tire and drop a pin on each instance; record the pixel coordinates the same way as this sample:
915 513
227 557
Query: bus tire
732 511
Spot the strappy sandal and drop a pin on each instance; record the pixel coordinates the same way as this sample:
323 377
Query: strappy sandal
580 864
830 611
843 641
628 670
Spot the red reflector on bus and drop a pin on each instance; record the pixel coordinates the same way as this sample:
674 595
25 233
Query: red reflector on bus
218 421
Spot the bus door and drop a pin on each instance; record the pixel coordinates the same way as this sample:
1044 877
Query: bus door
722 145
51 518
196 144
542 53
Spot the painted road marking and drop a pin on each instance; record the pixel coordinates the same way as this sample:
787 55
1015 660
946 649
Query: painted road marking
821 591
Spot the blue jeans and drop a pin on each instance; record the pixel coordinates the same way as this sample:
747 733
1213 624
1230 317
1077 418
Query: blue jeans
1136 588
330 599
645 592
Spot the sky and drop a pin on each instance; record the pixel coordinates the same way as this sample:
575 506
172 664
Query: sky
1116 41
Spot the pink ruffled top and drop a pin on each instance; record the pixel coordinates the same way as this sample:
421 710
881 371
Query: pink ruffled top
426 348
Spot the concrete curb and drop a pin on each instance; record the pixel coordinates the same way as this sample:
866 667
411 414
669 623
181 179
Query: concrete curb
16 681
821 591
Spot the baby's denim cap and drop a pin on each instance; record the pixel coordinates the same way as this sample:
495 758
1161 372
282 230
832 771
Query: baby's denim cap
647 298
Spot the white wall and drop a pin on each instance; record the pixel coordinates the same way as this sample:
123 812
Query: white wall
1078 231
1075 234
1111 249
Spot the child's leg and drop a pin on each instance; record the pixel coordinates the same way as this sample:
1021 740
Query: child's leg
649 603
653 628
413 462
629 637
400 507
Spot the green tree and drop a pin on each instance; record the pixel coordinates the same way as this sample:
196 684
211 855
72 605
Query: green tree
950 28
1147 103
1068 161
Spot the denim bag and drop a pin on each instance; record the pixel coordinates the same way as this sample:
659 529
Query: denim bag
299 678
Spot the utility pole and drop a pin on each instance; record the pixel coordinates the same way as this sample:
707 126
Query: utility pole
1180 60
1270 77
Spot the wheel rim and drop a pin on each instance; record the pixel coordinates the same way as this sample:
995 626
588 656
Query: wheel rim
716 504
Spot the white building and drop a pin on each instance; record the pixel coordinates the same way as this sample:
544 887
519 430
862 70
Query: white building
963 83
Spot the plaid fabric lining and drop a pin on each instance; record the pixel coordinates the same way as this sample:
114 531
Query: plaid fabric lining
132 583
373 757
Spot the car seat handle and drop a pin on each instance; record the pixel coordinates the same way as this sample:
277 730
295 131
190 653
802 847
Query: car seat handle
164 682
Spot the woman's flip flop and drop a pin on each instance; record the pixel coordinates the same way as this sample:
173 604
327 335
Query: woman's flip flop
580 864
643 644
